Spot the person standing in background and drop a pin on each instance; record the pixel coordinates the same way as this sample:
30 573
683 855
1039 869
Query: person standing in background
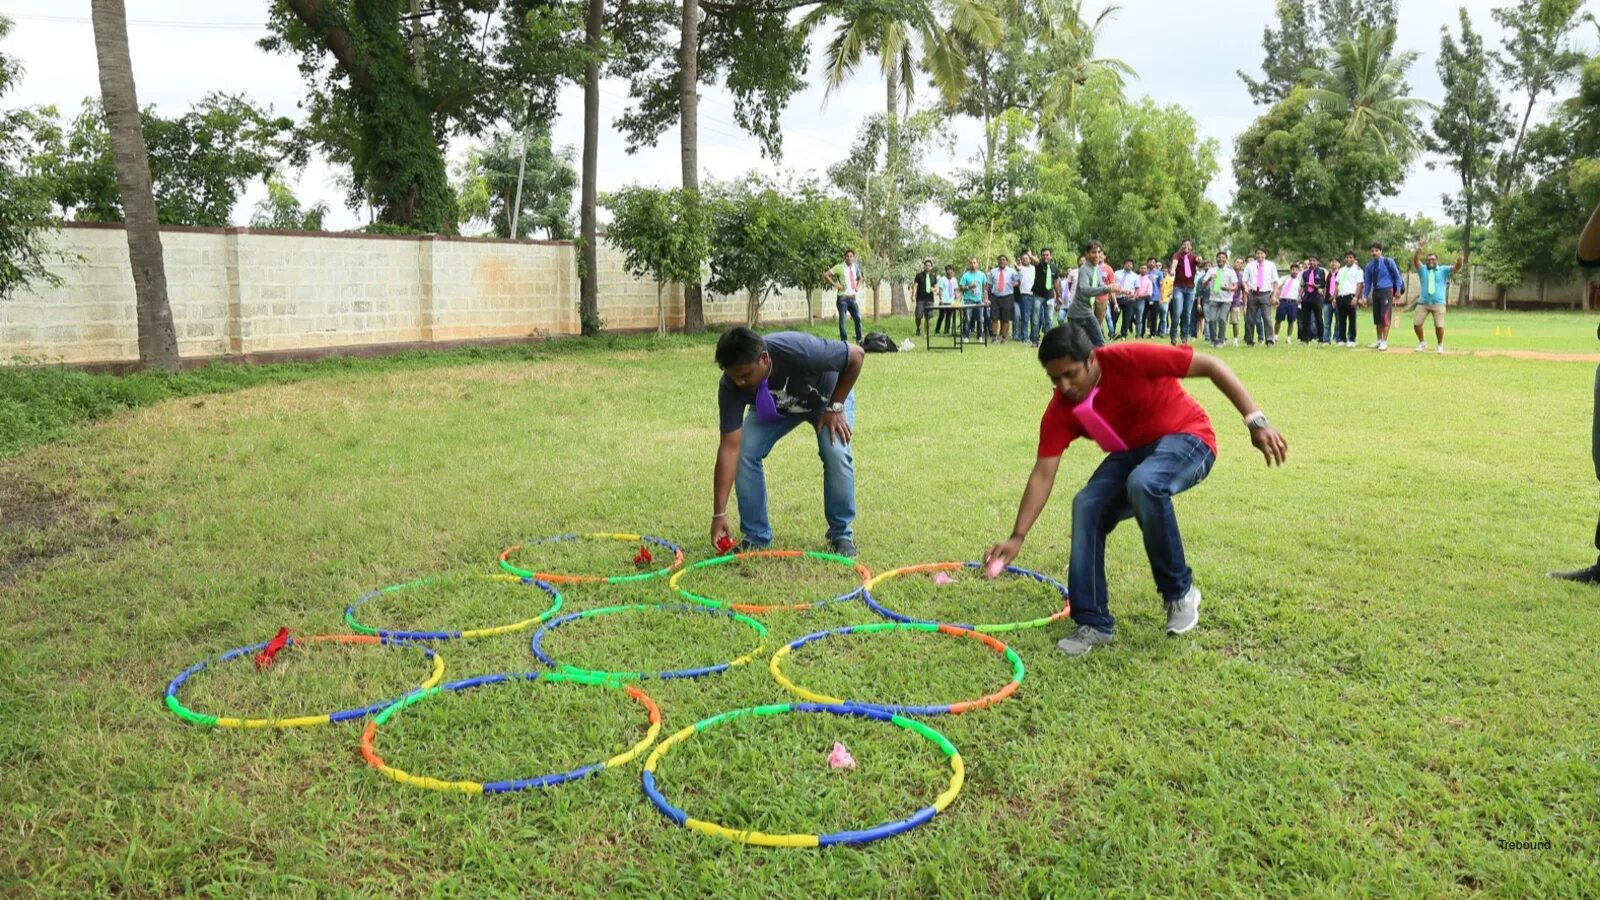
1224 287
1314 302
1185 270
845 280
949 295
1091 283
1046 292
1381 284
927 294
1431 297
1346 291
1003 296
1025 298
1288 304
972 284
1261 281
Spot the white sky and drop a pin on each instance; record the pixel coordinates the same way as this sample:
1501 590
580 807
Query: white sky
183 50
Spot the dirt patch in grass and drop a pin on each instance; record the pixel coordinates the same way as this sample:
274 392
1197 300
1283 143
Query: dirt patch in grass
39 525
1540 354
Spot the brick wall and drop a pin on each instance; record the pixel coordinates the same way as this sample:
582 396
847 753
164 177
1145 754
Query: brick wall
239 291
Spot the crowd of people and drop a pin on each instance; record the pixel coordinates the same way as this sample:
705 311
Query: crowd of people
1184 299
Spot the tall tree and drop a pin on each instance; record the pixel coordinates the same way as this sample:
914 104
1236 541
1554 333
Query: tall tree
1305 30
1536 60
661 235
1365 86
1068 60
24 196
589 298
694 315
522 172
158 337
1470 126
667 48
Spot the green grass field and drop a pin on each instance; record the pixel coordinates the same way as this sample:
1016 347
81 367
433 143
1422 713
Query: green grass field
1384 687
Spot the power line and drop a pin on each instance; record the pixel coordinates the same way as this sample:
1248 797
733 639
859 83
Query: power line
141 23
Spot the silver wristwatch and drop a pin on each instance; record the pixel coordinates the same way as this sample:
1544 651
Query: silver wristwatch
836 407
1255 420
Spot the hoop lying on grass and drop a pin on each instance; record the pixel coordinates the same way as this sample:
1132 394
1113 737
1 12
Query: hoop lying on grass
537 643
862 571
188 715
759 838
880 609
1017 670
369 736
467 634
557 578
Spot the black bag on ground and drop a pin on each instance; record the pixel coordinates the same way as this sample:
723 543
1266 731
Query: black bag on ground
878 342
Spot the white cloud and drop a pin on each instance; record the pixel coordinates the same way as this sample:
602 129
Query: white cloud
176 63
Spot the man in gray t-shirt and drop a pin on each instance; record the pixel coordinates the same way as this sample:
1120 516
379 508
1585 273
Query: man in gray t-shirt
769 386
1081 312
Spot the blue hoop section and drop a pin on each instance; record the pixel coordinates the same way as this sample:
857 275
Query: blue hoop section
537 644
880 609
556 601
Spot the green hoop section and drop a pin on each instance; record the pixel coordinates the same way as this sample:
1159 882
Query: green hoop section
466 634
861 571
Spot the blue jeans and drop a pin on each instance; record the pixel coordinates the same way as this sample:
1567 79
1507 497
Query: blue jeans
1138 484
1133 317
1183 313
838 475
1025 322
1158 313
1091 327
1042 314
848 305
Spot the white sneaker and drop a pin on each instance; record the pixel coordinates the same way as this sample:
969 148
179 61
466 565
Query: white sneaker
1441 349
1422 347
1236 342
1351 345
1184 613
1383 345
1373 345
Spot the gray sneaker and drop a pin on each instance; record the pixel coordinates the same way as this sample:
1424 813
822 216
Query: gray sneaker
1184 613
844 547
1083 640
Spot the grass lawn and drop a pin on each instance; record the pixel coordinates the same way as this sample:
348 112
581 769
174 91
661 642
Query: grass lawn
1384 687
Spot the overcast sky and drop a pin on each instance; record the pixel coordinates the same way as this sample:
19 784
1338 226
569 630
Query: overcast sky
183 50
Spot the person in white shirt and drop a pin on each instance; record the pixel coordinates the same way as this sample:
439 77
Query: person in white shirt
949 295
1288 303
1224 281
1027 329
1347 280
1260 281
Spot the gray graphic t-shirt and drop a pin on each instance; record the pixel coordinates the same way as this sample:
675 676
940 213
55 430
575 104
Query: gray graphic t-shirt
805 370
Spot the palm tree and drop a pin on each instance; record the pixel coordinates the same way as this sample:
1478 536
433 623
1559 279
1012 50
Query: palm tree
895 31
1365 84
158 337
1069 45
694 317
588 291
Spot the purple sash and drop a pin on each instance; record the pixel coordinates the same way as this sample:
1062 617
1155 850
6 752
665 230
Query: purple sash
766 407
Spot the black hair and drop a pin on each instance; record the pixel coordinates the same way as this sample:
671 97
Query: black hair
1090 247
1068 340
1376 246
1350 252
1127 261
739 346
1047 249
1260 249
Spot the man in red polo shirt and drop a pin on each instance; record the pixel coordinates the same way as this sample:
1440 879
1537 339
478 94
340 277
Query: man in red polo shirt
1159 441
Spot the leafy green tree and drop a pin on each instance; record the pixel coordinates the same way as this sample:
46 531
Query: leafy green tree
764 238
487 184
1365 86
1469 127
281 210
1287 55
24 196
1537 58
200 162
662 235
1304 184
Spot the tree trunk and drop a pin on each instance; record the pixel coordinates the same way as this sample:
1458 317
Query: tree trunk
893 157
158 336
752 312
1463 287
589 301
694 312
897 298
661 313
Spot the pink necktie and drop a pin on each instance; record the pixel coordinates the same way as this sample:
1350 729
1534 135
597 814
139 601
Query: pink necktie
1261 277
1002 281
1188 267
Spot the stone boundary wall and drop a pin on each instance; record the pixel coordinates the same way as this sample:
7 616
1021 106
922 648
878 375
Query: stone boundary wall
242 291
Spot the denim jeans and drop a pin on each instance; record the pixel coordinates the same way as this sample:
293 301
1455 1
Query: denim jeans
848 305
1091 326
1133 317
1138 484
1258 312
1183 313
1025 318
1217 321
1043 318
972 321
838 475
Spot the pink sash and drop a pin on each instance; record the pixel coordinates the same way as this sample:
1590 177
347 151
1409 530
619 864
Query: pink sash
1095 425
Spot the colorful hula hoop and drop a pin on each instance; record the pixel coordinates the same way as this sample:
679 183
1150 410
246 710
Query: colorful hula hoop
557 578
537 643
370 734
862 571
466 634
1017 669
188 715
762 839
880 609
